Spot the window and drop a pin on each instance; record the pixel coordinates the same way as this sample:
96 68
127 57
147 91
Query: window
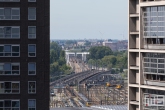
32 13
9 104
32 68
9 14
31 104
9 68
9 50
9 0
32 87
32 0
31 50
10 32
31 32
9 87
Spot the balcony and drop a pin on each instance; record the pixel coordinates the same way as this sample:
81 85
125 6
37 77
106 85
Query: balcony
134 15
134 102
134 67
134 32
154 83
154 46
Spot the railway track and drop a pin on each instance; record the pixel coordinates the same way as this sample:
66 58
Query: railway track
70 93
106 96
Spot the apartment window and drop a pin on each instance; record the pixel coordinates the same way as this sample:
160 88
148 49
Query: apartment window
31 50
9 0
32 0
31 104
9 32
9 68
9 13
32 13
31 32
32 87
32 68
9 104
9 87
9 50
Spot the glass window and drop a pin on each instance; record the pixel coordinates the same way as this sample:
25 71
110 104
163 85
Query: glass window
9 104
31 104
1 11
32 50
9 87
15 104
9 13
32 32
9 50
9 68
1 48
9 32
32 13
32 68
154 22
15 49
15 32
1 67
31 87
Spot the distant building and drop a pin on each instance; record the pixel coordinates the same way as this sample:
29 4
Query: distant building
111 45
116 45
80 43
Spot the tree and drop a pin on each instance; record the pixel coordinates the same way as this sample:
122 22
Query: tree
99 52
87 43
53 56
54 67
57 61
112 71
121 70
111 59
68 42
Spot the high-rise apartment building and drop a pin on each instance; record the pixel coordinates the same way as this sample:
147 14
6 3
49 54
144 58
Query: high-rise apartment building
24 54
146 54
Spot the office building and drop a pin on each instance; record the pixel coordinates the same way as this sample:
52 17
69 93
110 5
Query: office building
146 52
24 54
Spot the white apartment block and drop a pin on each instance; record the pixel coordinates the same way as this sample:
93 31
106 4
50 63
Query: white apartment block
146 55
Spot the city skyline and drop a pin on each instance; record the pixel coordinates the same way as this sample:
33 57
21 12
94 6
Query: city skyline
94 19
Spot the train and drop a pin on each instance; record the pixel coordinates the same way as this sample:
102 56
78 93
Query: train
88 104
117 86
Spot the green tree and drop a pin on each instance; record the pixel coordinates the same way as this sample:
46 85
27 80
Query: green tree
57 61
87 43
68 42
121 70
54 67
99 52
111 59
112 71
53 56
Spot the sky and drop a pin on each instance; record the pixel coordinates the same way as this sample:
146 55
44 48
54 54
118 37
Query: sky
88 19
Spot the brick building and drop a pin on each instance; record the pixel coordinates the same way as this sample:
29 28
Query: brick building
24 54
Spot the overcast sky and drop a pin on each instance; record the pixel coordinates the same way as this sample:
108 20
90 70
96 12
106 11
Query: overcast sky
90 19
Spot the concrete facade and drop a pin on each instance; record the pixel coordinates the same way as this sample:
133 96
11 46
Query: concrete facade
146 55
16 92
